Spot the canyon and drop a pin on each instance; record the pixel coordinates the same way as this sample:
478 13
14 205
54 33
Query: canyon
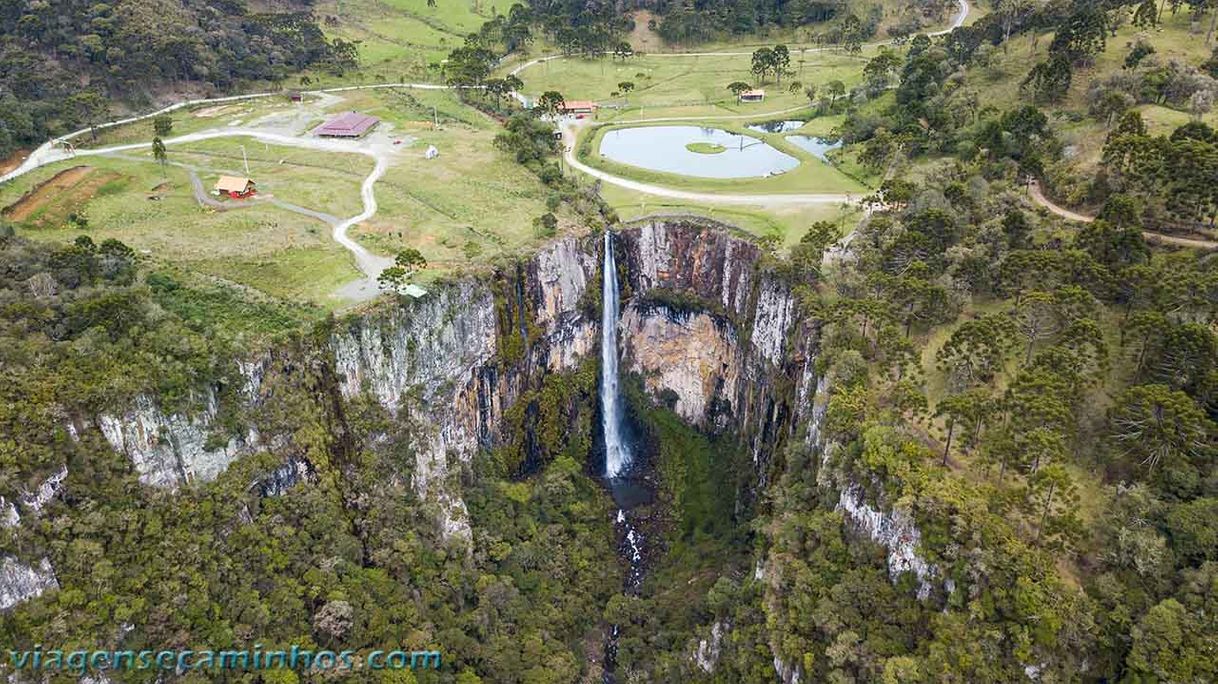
708 325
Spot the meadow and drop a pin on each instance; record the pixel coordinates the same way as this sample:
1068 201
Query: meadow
260 246
690 86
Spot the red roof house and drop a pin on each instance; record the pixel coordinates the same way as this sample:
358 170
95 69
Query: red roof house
348 125
577 107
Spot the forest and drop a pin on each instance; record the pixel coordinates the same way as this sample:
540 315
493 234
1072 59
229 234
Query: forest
68 64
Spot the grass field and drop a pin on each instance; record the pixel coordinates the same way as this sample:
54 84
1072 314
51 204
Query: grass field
189 120
684 86
401 39
787 224
469 202
261 246
322 181
811 176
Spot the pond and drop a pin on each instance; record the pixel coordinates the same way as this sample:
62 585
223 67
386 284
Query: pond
663 148
819 147
777 126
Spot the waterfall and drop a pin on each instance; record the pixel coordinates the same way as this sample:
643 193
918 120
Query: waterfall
617 453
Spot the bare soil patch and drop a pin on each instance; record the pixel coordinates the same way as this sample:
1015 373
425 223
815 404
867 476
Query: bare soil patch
50 202
13 161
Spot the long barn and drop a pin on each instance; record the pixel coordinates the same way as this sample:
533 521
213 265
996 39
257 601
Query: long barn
348 125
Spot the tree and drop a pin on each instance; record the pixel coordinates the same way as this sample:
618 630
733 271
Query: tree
808 254
1147 14
625 87
1037 317
468 66
1053 497
549 104
1155 424
762 62
1049 80
835 89
1111 103
546 225
738 87
162 125
159 153
407 263
810 93
1169 644
780 59
966 410
623 51
880 70
976 349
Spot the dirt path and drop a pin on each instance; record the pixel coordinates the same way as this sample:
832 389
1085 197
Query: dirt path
1038 196
381 152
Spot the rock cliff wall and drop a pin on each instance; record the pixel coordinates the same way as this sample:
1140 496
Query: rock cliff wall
708 323
462 355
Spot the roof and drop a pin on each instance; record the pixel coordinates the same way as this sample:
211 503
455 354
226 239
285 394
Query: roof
756 92
233 184
579 104
348 125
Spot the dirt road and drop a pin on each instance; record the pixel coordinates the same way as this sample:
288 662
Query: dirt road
1038 196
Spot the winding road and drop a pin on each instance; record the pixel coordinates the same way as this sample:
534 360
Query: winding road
1038 196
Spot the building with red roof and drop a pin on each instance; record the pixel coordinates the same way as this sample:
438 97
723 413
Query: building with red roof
348 125
578 107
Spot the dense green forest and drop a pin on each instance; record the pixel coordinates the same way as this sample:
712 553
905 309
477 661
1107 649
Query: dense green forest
68 64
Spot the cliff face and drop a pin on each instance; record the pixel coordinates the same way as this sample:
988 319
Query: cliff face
706 322
444 352
458 358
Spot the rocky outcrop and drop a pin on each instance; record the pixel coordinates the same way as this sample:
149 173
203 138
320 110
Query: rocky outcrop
694 356
291 473
895 530
426 353
171 449
709 329
34 501
20 582
9 517
706 657
694 256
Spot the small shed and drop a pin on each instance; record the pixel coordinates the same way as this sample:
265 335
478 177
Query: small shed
348 125
235 187
755 95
